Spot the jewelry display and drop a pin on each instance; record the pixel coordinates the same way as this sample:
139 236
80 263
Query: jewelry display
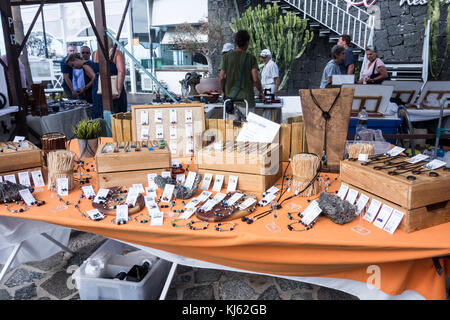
218 227
190 225
174 223
120 221
145 220
355 149
307 227
9 191
53 141
304 167
180 192
60 165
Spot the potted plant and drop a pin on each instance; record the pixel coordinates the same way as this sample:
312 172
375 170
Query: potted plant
87 133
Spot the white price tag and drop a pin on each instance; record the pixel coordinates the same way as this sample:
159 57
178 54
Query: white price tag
247 203
18 139
363 157
88 191
395 151
173 132
189 131
139 187
372 212
204 195
271 190
159 128
180 178
173 116
27 196
218 182
234 198
219 196
394 221
232 183
157 218
192 204
167 194
207 178
38 180
342 191
361 204
144 118
173 147
311 213
62 186
158 116
417 159
188 116
188 212
351 196
144 132
189 147
151 180
151 192
24 144
383 216
166 174
435 164
174 163
24 178
190 179
10 178
95 215
131 199
208 205
102 193
267 200
122 213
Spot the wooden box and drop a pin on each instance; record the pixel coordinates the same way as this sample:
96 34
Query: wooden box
425 201
121 127
121 167
16 158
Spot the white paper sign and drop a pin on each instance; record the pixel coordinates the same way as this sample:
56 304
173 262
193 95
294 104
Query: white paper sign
18 139
218 182
173 147
151 180
151 192
395 151
219 196
189 147
208 205
62 186
38 180
363 157
144 132
189 131
102 193
188 116
24 178
159 131
232 183
234 198
258 129
435 164
173 132
271 190
190 179
27 196
188 212
157 218
158 116
95 215
193 203
173 116
204 195
144 118
311 213
131 199
88 191
166 174
267 200
247 203
139 188
372 212
342 191
207 178
417 159
351 196
383 216
23 144
122 213
167 194
10 178
394 221
180 178
361 204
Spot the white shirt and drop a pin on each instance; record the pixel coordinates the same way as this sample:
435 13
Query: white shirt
268 73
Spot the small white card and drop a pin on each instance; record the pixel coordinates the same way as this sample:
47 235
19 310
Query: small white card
232 183
144 132
173 116
167 194
38 180
190 179
173 132
151 180
363 157
311 213
361 204
131 199
189 131
23 144
173 147
218 182
139 187
10 178
18 139
342 191
417 159
158 116
234 198
271 190
102 193
122 213
62 186
188 212
189 147
204 195
435 164
151 192
1 179
219 196
166 174
174 163
192 204
188 116
208 205
247 203
207 178
267 200
24 178
351 196
372 212
180 178
383 216
151 204
395 151
27 196
394 221
144 118
157 218
159 129
95 215
88 191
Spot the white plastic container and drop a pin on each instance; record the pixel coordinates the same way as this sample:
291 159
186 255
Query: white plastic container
121 257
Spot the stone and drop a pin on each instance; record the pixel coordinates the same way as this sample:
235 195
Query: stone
287 285
395 40
409 39
332 294
302 296
44 298
4 295
22 276
399 53
199 293
257 280
235 290
271 293
26 293
49 263
207 275
172 294
75 297
57 285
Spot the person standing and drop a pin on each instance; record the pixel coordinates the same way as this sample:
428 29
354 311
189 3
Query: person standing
375 71
67 73
332 67
239 73
270 78
348 65
86 92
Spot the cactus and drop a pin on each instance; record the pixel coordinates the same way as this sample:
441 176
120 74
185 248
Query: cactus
436 64
285 36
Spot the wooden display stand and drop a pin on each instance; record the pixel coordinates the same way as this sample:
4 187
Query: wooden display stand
425 201
180 146
121 127
14 158
337 124
123 168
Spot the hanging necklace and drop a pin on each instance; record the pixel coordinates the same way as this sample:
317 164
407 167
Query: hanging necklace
327 116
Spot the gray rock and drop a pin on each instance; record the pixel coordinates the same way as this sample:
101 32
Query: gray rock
57 285
22 276
302 296
75 297
235 290
44 298
207 275
49 263
395 40
271 293
199 293
331 294
4 295
26 293
287 285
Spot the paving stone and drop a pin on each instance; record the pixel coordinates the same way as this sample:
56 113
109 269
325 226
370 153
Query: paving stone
183 269
22 276
287 285
4 295
302 296
57 285
81 254
257 280
172 294
199 293
332 294
271 293
26 293
207 275
49 263
235 290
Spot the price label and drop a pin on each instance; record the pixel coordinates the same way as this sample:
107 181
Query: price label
27 196
342 191
166 174
144 132
247 203
351 196
24 178
102 193
158 116
267 200
218 182
311 213
190 179
88 191
372 212
173 147
271 190
208 205
219 196
207 178
157 218
188 116
95 215
204 195
139 188
435 164
394 221
173 116
234 198
383 216
173 132
131 199
151 192
193 203
180 178
159 131
395 151
189 131
62 186
10 178
417 159
188 212
38 180
144 118
18 139
167 194
151 180
363 157
122 213
232 183
361 204
23 144
189 147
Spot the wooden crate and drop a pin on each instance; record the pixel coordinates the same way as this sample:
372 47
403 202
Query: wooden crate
121 167
424 201
29 170
121 127
22 159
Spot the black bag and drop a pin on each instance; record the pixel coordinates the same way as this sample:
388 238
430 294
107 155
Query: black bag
374 75
229 105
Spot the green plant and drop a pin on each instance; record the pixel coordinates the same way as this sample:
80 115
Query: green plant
437 64
285 36
87 129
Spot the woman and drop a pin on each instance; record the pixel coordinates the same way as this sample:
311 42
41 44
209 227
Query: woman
375 72
332 67
117 68
75 61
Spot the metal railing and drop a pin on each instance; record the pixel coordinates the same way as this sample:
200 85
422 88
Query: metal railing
338 17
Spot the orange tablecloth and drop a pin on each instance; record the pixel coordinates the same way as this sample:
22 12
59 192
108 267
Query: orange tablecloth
327 250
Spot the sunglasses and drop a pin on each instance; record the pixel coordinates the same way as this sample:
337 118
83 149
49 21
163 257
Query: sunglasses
86 52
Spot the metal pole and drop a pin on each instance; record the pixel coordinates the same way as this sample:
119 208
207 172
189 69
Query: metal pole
45 35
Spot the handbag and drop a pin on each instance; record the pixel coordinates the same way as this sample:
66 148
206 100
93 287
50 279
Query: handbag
229 106
115 92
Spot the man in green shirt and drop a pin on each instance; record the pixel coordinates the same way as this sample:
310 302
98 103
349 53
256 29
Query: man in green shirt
232 67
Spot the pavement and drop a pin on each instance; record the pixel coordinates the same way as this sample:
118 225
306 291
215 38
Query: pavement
50 279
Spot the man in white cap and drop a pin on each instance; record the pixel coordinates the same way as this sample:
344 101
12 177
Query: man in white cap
227 47
270 78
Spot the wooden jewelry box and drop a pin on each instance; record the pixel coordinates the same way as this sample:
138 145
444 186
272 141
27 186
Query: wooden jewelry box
128 163
423 196
19 156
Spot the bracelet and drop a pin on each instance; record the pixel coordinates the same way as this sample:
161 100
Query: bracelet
217 227
120 221
142 220
174 223
307 227
25 207
289 214
228 212
191 225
